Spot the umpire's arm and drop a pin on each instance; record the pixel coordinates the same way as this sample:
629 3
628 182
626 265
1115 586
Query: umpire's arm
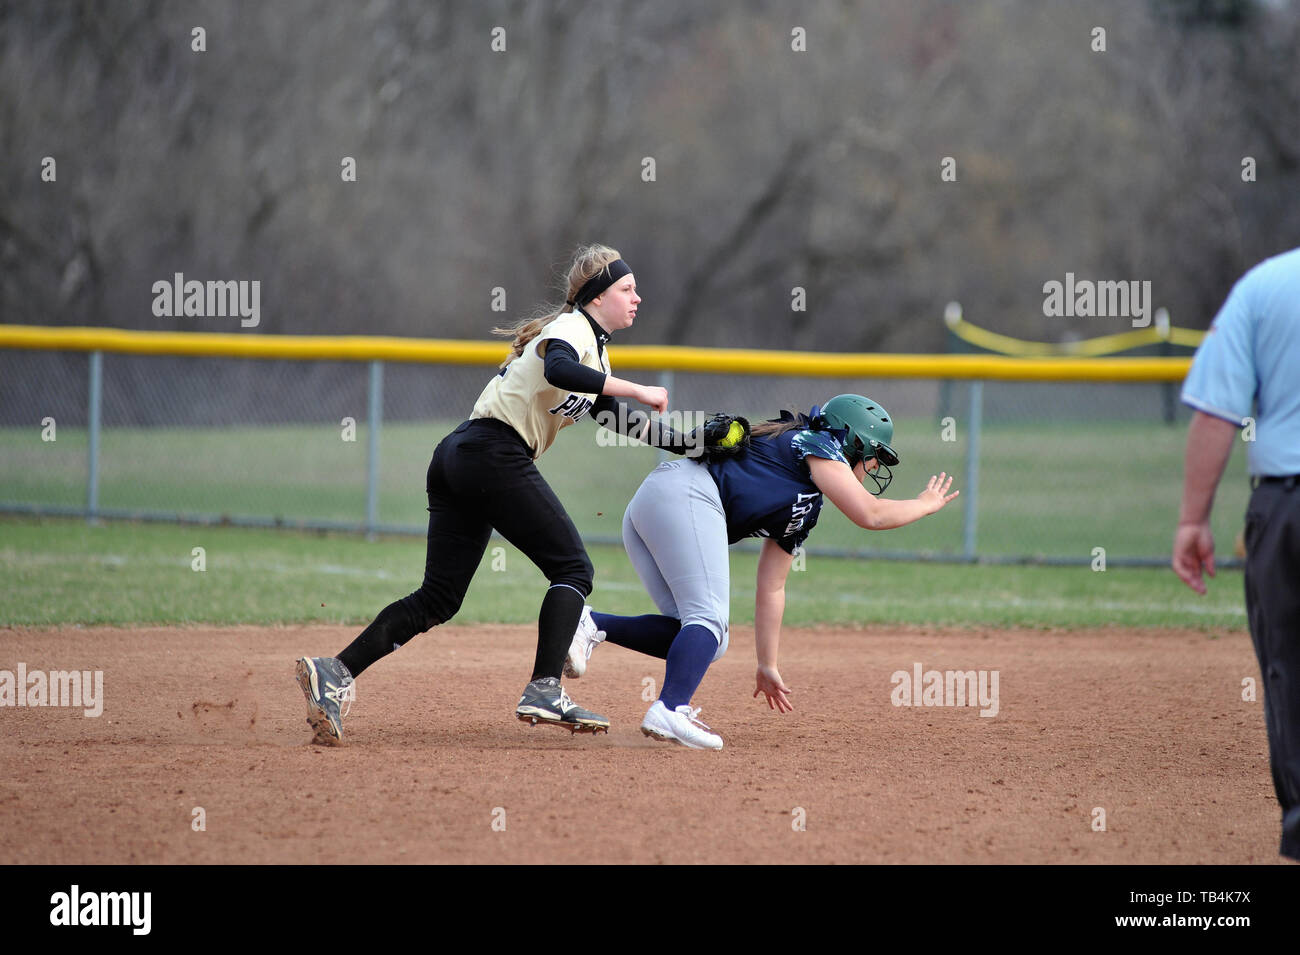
1209 445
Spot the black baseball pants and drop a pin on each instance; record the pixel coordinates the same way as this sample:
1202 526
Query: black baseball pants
482 477
1273 609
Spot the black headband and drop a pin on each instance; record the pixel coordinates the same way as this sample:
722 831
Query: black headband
601 281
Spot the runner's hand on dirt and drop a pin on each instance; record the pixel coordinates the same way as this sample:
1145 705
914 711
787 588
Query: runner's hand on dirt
768 682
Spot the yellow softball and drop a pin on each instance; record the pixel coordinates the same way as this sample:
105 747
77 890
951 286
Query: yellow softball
734 435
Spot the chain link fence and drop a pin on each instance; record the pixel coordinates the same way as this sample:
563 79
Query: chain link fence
1049 472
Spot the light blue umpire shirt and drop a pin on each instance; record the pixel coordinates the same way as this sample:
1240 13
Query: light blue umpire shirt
1252 352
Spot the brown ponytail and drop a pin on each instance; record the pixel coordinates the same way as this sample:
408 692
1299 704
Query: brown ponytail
789 421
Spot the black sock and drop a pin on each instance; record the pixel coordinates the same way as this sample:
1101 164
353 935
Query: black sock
556 624
392 628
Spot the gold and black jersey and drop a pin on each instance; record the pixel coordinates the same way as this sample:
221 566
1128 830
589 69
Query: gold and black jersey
523 398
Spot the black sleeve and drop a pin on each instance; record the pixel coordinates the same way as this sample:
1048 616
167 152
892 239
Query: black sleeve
613 414
563 370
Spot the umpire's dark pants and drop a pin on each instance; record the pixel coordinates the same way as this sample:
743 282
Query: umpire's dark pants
482 476
1273 607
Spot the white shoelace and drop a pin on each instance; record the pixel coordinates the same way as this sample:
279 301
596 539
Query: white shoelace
345 696
693 716
591 636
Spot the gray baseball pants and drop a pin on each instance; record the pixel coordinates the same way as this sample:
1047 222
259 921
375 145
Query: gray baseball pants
675 533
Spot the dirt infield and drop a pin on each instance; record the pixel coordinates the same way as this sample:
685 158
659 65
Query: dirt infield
1148 726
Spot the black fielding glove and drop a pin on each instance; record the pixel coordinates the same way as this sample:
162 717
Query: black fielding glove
721 436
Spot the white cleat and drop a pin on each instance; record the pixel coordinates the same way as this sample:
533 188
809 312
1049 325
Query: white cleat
681 726
585 639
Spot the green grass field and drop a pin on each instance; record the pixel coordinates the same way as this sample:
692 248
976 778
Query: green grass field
1054 489
1059 489
61 571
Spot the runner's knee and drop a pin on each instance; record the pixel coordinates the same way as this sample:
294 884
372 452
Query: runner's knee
715 623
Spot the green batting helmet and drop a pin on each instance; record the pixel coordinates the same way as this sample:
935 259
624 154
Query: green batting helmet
864 430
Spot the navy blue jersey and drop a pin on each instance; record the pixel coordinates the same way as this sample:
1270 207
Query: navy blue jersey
767 490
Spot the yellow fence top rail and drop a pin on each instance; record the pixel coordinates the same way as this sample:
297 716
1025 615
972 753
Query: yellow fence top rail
743 361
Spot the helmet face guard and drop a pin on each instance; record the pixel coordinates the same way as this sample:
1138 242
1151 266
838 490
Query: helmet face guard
882 476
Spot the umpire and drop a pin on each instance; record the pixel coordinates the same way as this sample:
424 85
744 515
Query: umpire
1252 353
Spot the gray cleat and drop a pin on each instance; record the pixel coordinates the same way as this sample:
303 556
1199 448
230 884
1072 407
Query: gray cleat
328 687
544 701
